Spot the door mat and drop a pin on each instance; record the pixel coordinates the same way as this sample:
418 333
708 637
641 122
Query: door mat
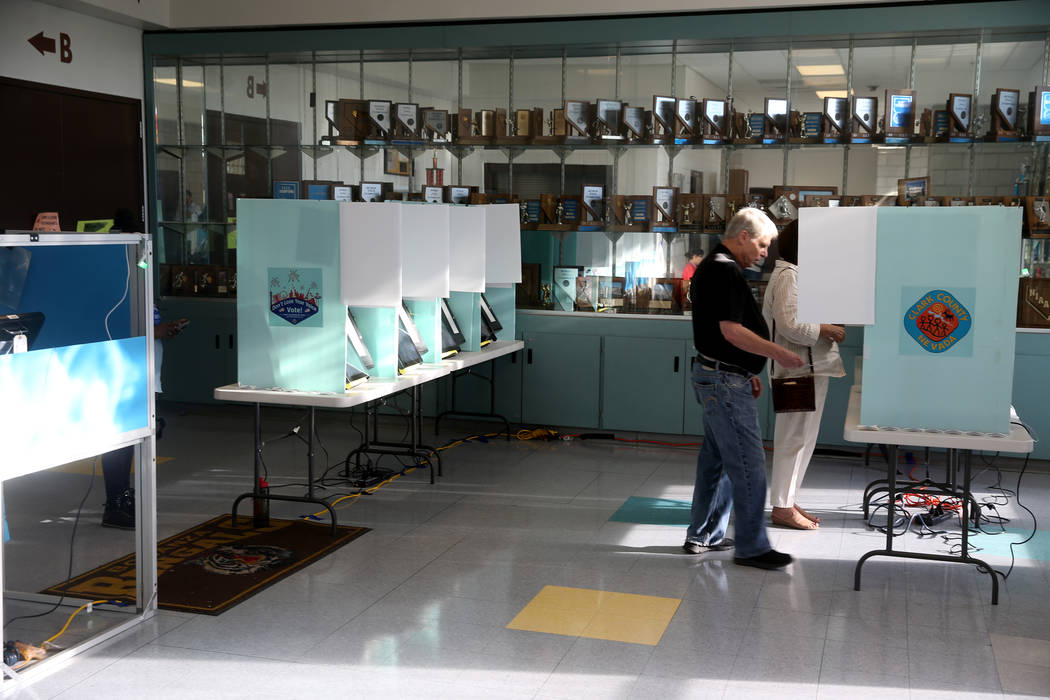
213 566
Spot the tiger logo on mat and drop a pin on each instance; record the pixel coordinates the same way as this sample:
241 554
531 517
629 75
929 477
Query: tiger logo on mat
245 559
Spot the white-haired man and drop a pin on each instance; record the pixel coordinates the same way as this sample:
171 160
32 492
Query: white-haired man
732 340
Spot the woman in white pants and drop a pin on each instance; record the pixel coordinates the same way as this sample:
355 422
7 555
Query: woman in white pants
795 434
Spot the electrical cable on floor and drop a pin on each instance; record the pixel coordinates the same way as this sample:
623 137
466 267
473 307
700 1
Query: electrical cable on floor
72 540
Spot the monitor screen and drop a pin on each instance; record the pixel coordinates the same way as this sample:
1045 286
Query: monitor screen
405 317
357 342
488 317
450 325
407 354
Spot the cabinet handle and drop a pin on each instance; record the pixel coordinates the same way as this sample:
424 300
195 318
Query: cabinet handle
216 341
529 353
676 359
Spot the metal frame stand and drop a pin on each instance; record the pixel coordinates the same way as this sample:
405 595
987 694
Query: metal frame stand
414 448
467 372
964 551
256 492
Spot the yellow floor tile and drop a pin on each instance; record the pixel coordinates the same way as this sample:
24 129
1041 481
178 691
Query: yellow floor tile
617 628
634 605
537 618
566 598
621 617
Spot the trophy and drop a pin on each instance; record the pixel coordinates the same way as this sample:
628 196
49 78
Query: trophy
988 201
663 119
477 197
912 190
665 208
833 119
630 213
570 206
877 200
371 191
818 200
690 212
406 122
608 116
378 121
864 120
713 126
899 124
592 211
960 113
435 125
531 214
349 118
1039 113
485 124
433 194
633 124
506 129
774 124
715 220
457 194
953 201
784 209
435 175
1037 215
552 211
685 121
554 133
1004 115
577 120
806 127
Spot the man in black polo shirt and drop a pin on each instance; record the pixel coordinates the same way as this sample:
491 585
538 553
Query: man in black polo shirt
733 342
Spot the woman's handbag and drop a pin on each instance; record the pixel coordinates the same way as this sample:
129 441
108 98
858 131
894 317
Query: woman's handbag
794 394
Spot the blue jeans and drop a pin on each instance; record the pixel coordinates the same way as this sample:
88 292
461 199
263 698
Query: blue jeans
731 467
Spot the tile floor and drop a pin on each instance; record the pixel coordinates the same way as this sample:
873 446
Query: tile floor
494 583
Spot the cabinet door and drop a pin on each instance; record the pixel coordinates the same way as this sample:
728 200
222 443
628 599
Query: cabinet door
561 379
643 386
204 355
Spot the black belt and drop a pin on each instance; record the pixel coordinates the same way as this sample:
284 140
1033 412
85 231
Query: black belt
713 365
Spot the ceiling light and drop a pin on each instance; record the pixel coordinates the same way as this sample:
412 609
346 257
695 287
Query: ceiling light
831 93
827 69
185 83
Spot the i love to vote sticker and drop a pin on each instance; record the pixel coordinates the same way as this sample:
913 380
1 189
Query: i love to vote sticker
937 321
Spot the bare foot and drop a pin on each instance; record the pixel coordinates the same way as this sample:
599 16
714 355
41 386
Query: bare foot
807 516
789 517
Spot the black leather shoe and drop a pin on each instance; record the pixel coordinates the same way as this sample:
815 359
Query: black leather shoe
770 560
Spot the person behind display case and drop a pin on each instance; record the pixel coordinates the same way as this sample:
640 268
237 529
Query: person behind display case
732 340
795 434
119 508
693 258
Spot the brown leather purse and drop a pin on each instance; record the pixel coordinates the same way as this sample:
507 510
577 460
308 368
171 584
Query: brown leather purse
794 394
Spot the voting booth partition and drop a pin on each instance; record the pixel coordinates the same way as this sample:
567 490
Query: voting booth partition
82 385
936 291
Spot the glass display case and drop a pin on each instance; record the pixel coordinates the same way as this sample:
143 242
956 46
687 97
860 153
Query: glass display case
751 123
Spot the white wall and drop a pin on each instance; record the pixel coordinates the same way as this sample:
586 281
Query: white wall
106 57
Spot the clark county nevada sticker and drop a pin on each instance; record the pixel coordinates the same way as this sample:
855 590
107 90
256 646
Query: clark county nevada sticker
937 321
295 296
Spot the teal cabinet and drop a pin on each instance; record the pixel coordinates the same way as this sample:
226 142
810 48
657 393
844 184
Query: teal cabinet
642 383
204 355
561 380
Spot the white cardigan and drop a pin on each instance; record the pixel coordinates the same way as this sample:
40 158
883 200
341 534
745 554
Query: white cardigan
780 304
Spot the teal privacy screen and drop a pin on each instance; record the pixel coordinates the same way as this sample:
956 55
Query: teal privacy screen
941 352
291 323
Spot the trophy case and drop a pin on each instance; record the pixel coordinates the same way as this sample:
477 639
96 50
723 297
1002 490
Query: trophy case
856 114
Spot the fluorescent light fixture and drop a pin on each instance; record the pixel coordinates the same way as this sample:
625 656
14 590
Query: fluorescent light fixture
826 69
185 83
831 93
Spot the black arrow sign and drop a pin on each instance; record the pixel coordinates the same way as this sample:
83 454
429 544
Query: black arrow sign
43 44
